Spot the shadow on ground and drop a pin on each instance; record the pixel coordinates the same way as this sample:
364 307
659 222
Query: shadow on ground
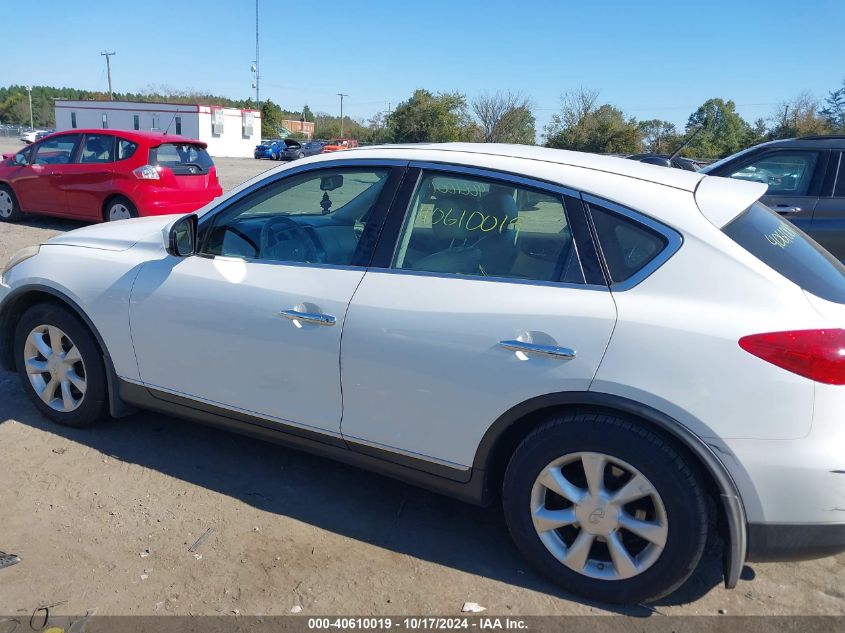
332 496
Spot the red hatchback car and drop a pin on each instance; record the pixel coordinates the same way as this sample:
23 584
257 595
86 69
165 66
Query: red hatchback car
102 175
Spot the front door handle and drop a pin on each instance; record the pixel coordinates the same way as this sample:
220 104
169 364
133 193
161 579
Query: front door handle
309 317
552 351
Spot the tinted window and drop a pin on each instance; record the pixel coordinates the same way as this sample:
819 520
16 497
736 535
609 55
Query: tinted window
789 251
786 173
58 150
98 148
182 158
125 149
316 217
627 245
474 226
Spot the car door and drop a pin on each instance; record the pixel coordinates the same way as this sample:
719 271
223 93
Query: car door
252 324
88 180
794 178
492 296
40 189
828 227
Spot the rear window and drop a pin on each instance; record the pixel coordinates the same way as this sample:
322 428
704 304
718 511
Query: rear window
789 251
184 159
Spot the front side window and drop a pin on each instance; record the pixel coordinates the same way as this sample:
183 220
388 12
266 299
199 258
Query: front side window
627 246
487 228
98 148
316 217
58 150
786 249
786 173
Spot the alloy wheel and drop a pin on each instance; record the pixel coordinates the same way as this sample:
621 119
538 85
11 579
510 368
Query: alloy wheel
119 211
599 516
7 205
55 368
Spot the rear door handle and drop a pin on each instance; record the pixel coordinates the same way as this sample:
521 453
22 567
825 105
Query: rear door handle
309 317
551 351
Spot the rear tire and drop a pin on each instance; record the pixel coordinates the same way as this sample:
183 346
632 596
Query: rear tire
60 366
614 544
119 208
10 210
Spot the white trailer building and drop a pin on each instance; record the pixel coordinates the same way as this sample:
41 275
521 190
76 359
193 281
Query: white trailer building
227 131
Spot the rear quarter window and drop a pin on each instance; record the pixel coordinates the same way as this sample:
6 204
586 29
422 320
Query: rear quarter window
789 251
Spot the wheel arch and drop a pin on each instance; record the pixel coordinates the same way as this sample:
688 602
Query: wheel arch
109 198
23 298
506 433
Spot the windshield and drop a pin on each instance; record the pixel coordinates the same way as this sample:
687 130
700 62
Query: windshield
792 253
182 158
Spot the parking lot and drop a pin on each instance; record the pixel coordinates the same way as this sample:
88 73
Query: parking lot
104 518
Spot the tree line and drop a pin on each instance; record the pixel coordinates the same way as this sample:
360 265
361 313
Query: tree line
582 123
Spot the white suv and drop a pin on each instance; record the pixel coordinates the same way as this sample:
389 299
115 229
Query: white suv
628 356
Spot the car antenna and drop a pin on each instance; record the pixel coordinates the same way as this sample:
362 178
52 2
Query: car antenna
172 119
689 140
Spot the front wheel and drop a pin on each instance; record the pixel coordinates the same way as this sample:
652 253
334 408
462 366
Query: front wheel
10 211
60 366
605 508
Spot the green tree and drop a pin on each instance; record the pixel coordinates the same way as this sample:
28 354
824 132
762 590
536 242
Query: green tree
585 127
834 109
271 119
427 117
798 117
505 117
658 136
307 114
724 133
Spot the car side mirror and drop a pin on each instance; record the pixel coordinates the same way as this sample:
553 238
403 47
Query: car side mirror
330 183
182 237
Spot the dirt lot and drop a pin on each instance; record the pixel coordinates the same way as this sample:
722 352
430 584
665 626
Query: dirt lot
104 519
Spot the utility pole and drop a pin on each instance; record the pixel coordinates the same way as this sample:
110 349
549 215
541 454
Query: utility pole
257 75
29 90
108 55
341 95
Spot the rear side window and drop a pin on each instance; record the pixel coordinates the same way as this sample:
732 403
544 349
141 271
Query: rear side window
628 247
98 148
182 158
786 173
789 251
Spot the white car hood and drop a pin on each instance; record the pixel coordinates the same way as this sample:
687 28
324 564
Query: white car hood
117 236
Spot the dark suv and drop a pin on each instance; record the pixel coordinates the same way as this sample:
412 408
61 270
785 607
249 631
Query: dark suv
806 178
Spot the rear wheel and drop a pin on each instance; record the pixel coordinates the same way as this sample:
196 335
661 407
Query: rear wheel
60 366
605 508
10 211
119 208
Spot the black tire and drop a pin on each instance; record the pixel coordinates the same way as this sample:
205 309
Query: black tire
7 197
94 403
300 155
653 456
117 201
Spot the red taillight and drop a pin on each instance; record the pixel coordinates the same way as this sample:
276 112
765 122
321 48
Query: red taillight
146 172
815 354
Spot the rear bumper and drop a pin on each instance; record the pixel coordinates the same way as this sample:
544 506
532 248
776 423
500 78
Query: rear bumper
793 541
163 206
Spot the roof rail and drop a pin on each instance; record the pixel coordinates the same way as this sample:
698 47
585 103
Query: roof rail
821 137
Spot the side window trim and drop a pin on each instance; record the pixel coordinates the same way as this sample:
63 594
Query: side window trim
396 170
674 241
586 250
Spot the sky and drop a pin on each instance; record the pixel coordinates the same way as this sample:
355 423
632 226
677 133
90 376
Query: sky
651 58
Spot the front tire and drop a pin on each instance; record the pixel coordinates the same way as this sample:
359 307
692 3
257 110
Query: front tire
605 508
60 366
119 208
10 210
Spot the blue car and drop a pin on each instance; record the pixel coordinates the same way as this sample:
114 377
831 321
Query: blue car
270 148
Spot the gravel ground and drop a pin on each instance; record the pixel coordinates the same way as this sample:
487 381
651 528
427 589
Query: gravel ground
104 518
